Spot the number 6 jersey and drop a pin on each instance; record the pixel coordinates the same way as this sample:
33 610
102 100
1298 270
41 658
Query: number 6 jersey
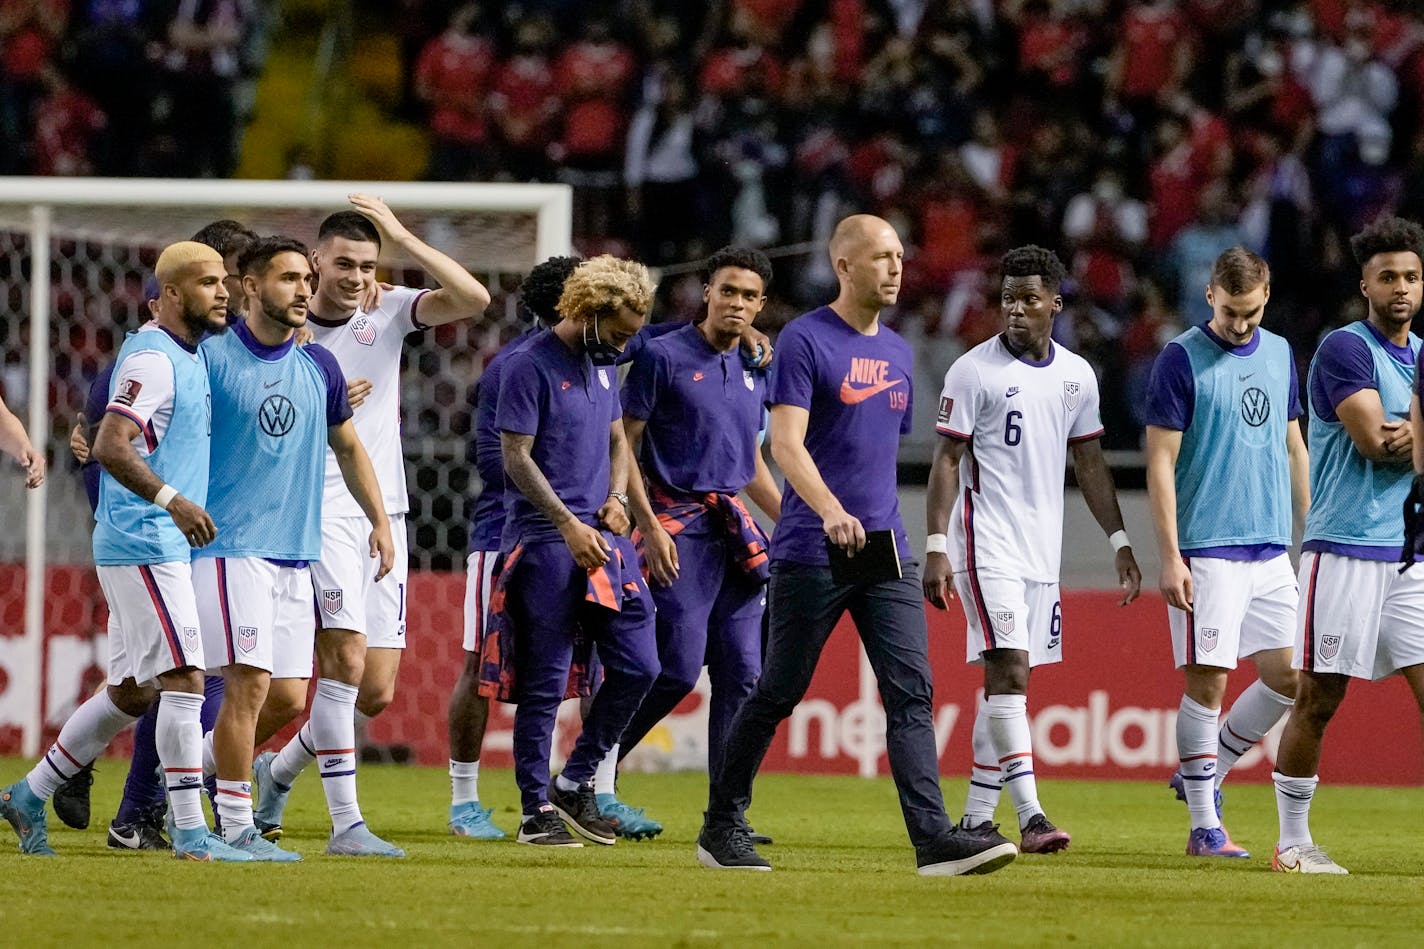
1018 417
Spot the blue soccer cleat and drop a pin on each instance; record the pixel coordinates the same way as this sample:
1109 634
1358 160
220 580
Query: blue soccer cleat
271 797
1213 842
630 822
1178 784
358 841
26 813
471 820
251 842
197 843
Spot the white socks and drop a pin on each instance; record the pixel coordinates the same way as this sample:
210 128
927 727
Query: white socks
84 736
333 736
605 778
296 754
1255 712
464 782
1293 796
234 803
178 736
1196 749
1008 726
984 778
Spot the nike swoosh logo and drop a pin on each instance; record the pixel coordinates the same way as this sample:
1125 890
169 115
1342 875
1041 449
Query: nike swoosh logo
1245 377
850 395
129 840
268 385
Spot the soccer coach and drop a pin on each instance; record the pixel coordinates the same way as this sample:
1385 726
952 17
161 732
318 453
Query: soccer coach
840 400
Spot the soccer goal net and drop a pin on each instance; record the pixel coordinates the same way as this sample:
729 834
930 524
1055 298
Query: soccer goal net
74 258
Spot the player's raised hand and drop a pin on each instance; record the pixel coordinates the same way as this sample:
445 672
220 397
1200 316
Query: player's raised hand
357 390
938 580
660 554
587 545
371 297
384 547
844 531
1129 577
1174 582
78 444
193 521
303 335
374 208
756 348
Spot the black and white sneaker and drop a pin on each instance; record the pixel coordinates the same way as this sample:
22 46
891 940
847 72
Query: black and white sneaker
546 829
728 847
958 851
71 799
579 808
143 834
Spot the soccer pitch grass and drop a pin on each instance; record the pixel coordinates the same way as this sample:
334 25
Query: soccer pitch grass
844 875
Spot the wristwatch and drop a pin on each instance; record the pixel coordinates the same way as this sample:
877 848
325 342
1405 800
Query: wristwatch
620 497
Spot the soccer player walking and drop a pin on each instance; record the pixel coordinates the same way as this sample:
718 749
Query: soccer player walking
362 623
1224 458
569 578
1360 616
276 408
1011 409
694 414
840 399
469 711
153 447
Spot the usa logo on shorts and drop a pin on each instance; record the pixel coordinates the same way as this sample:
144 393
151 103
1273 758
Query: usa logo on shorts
247 638
331 601
364 330
1329 647
1209 637
190 639
1003 622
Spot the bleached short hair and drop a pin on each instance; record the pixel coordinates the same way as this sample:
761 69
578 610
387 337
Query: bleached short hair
178 257
605 284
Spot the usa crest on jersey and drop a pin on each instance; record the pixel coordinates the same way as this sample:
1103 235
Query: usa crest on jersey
364 330
1071 392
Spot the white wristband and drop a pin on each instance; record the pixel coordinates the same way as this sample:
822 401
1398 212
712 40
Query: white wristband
165 496
1119 540
937 544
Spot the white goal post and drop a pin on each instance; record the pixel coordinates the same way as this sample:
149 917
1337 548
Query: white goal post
515 226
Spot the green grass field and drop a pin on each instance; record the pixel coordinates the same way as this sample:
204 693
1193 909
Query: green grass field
844 876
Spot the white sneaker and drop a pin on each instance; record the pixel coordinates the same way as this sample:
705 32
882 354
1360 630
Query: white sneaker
1305 858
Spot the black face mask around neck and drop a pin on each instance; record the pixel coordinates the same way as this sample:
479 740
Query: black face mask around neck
599 352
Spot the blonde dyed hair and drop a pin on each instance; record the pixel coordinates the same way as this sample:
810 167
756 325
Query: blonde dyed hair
605 284
176 258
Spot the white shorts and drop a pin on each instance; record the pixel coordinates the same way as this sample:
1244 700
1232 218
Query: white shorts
1359 618
346 587
257 614
479 581
153 620
1239 609
1011 613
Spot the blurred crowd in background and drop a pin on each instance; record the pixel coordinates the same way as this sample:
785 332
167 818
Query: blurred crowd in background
1137 138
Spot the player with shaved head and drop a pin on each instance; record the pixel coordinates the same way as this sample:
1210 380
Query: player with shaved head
840 400
153 446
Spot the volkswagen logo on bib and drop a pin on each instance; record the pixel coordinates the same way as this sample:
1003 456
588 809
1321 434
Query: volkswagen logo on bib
277 415
1255 407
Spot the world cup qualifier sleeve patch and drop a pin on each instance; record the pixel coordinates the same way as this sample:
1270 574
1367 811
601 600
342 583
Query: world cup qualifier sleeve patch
128 391
946 408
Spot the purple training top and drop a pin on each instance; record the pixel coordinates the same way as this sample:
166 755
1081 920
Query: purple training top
703 410
567 403
487 513
857 390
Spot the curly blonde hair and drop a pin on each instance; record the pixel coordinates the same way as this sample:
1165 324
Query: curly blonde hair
603 285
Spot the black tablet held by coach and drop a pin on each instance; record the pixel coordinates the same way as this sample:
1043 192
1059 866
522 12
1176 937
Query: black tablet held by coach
876 562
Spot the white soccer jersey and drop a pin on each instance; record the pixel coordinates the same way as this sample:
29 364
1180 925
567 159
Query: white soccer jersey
143 392
1019 418
368 346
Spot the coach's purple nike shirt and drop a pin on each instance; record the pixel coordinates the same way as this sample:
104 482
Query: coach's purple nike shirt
857 390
